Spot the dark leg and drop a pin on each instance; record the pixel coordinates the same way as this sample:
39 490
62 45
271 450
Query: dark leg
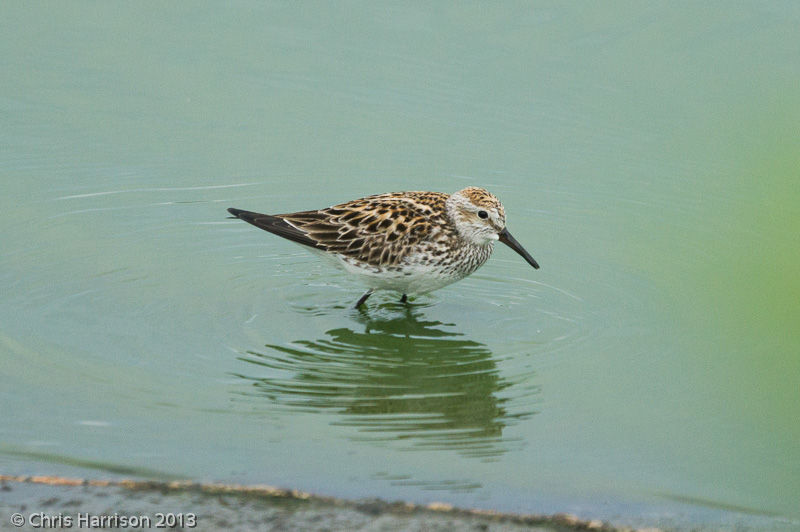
364 298
404 299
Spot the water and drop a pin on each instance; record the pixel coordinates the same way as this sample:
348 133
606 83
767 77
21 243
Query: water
646 156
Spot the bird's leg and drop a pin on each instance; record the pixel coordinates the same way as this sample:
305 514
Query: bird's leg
363 298
404 299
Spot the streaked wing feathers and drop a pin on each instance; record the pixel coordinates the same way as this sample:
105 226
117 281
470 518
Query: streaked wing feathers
378 230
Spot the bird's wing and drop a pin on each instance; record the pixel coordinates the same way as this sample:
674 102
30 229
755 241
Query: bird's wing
378 230
275 224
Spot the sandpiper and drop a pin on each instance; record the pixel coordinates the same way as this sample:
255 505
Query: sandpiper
409 242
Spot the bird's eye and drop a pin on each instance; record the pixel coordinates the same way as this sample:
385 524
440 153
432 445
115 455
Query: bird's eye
483 214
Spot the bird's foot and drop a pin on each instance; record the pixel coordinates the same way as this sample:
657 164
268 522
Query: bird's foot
363 298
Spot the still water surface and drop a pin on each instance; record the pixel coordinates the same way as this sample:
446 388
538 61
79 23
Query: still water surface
647 157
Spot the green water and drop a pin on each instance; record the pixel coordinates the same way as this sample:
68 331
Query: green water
648 157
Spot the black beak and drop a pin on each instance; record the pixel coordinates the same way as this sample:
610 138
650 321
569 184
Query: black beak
510 241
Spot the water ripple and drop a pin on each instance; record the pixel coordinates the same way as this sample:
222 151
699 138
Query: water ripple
408 382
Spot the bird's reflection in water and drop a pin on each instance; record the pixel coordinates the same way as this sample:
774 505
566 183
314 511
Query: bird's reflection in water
404 380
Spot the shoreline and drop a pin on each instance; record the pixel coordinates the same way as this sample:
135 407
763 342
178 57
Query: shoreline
86 504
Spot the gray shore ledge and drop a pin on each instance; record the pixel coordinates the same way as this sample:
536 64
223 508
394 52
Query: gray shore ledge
42 502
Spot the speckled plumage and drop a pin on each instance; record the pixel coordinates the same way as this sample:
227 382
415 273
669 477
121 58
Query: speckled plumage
411 242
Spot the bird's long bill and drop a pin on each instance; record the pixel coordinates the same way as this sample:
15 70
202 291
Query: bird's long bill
510 241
